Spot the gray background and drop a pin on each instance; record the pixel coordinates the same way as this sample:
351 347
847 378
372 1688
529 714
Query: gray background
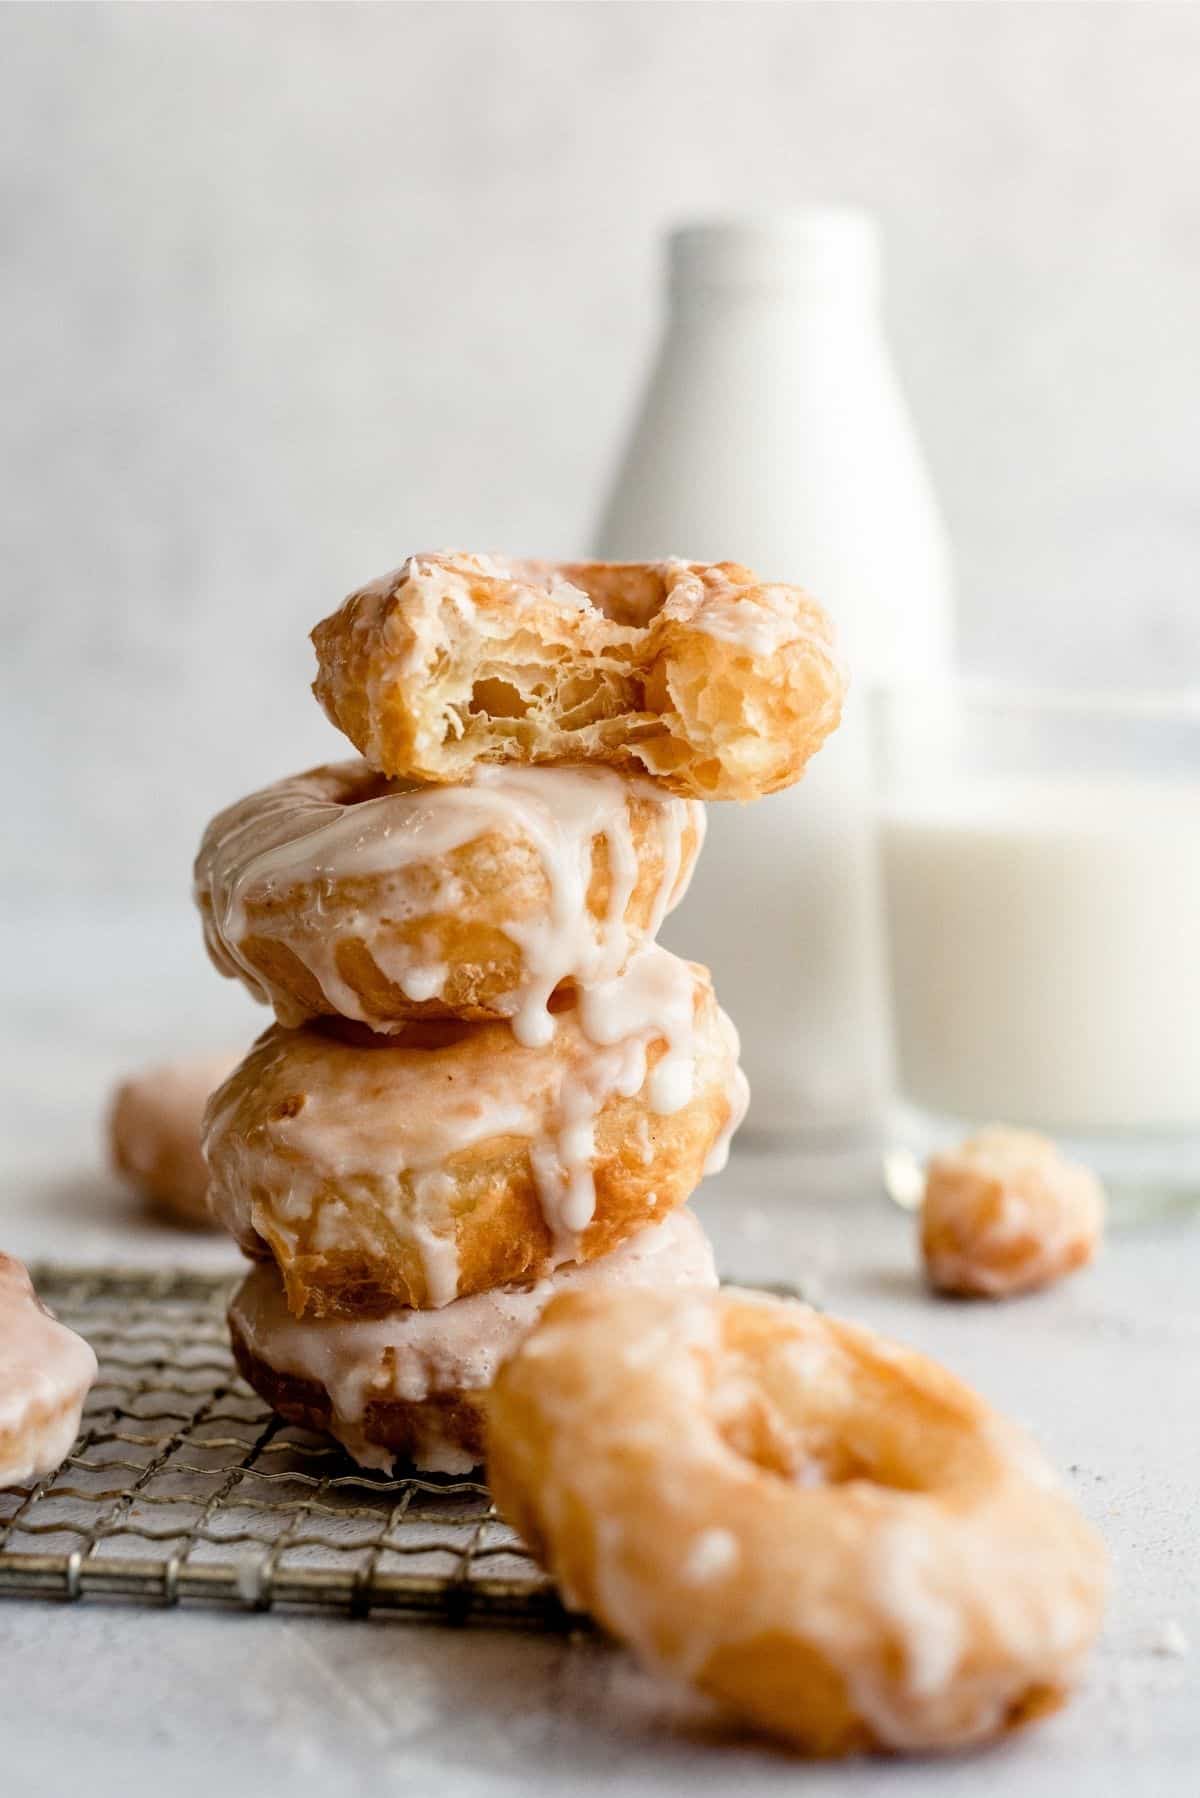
292 290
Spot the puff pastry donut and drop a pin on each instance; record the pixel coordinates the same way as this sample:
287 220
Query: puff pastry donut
826 1531
716 684
341 892
154 1132
46 1372
451 1158
410 1385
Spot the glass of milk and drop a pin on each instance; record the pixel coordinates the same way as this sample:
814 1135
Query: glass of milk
1041 871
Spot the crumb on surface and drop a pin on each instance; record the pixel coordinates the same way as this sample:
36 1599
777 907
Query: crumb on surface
1006 1213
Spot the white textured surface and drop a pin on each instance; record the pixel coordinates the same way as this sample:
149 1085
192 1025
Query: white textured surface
104 1700
292 290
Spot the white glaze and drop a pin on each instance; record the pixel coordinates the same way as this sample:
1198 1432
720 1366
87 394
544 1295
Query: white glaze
714 1552
424 584
432 1192
416 1355
654 1000
298 836
362 1122
761 625
46 1372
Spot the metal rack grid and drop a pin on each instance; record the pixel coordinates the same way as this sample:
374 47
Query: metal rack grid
184 1487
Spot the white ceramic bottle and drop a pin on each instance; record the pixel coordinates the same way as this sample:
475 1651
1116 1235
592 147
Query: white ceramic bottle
773 432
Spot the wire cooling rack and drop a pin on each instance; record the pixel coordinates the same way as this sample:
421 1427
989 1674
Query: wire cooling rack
184 1487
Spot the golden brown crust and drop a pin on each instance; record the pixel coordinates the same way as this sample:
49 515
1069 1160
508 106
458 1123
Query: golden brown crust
363 1169
714 683
828 1533
299 903
397 1427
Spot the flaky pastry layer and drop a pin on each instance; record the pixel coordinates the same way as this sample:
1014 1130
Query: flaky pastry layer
714 683
450 1158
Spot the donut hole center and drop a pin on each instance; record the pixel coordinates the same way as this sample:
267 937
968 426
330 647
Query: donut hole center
808 1432
761 1435
628 595
352 783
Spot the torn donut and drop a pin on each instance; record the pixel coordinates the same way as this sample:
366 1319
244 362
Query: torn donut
712 682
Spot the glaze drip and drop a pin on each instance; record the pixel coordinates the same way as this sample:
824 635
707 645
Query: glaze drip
340 856
331 1143
412 1355
46 1371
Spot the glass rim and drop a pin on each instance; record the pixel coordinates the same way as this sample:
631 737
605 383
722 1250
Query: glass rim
988 693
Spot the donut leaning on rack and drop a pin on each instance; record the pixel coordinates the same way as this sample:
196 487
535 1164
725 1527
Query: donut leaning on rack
827 1532
410 1385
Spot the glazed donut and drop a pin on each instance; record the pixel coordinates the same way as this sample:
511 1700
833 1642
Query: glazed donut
153 1129
716 684
451 1158
827 1532
409 1386
1007 1213
46 1372
338 891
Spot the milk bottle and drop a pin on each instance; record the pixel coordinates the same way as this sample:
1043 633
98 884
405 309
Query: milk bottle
773 432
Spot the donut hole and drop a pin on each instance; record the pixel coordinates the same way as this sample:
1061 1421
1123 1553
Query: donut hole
378 786
761 1434
794 1411
348 784
628 594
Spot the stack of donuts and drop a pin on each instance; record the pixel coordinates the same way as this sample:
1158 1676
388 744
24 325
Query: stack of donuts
487 1082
